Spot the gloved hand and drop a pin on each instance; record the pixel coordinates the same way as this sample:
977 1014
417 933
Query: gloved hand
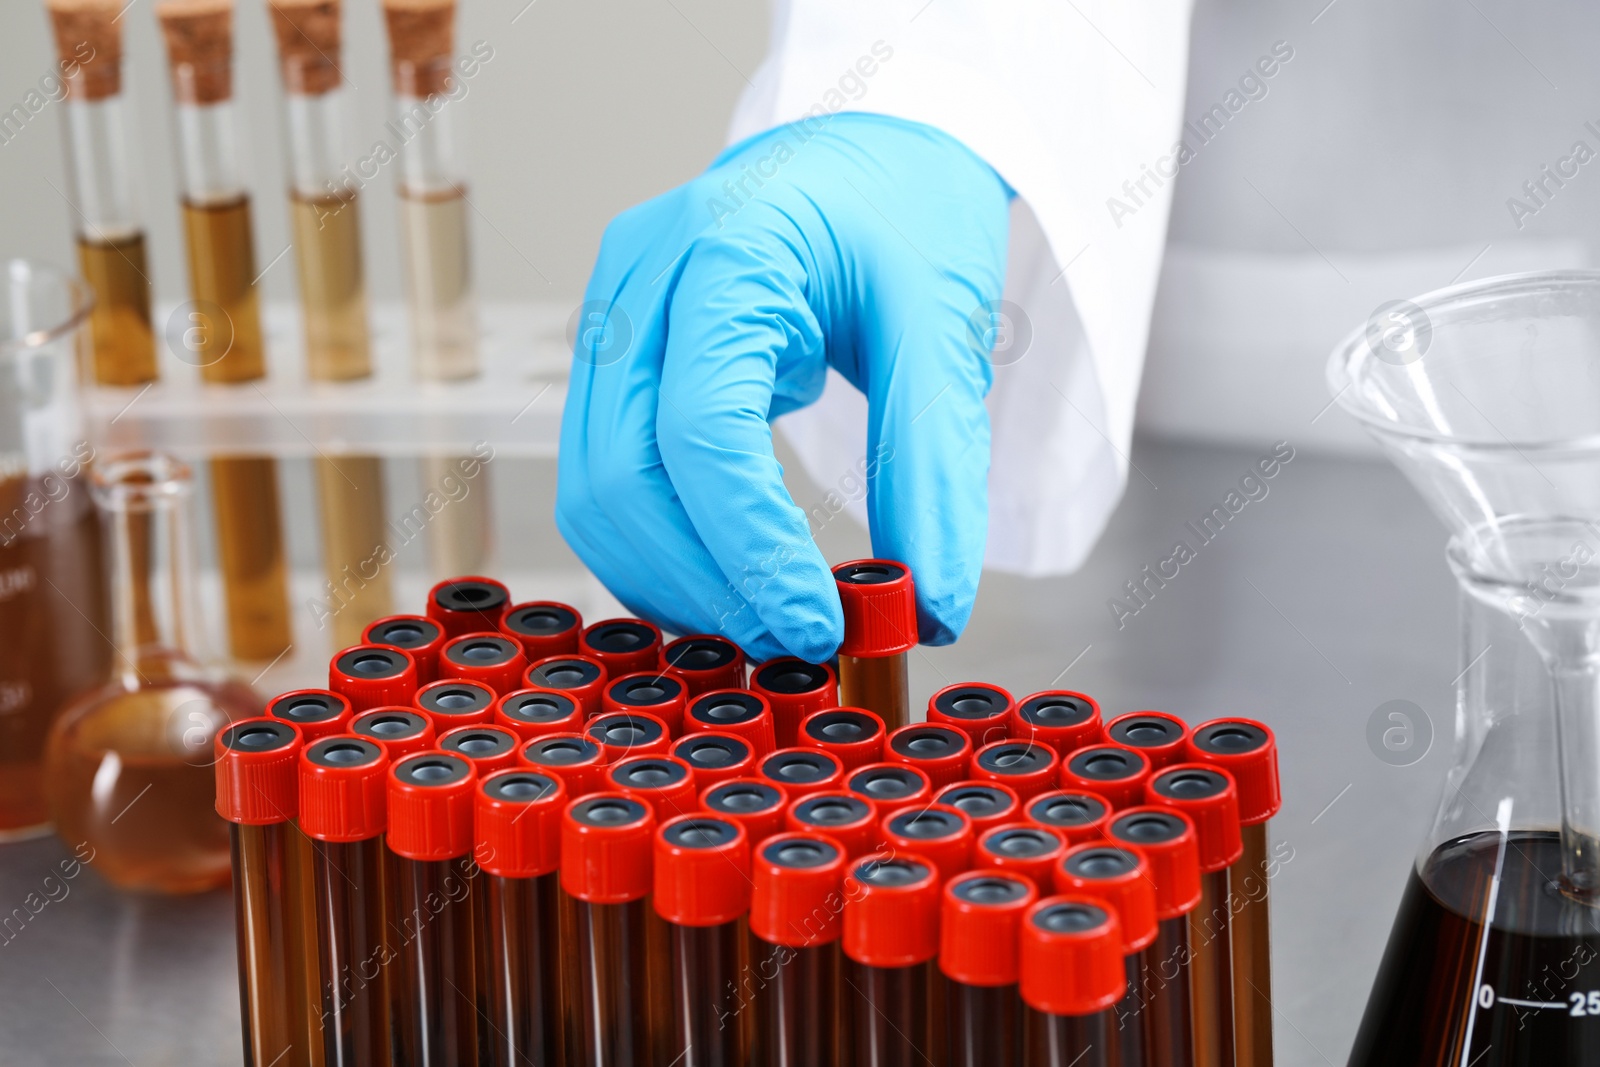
861 242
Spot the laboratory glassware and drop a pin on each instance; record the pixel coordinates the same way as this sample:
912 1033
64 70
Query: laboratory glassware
880 629
855 735
536 712
890 786
666 783
646 692
795 927
978 709
939 752
573 758
802 771
987 804
623 646
978 941
734 711
1060 718
757 803
794 689
714 757
703 662
1070 977
891 940
845 818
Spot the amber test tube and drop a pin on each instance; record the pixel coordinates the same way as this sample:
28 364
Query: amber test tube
847 820
794 689
491 658
1122 879
880 629
939 752
795 928
1071 975
623 646
576 760
891 939
533 713
1078 815
987 804
734 711
453 702
545 628
978 939
649 692
980 710
714 757
420 636
468 604
704 662
401 731
889 786
855 735
757 803
1061 718
583 678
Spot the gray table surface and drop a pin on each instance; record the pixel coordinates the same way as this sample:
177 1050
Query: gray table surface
1314 606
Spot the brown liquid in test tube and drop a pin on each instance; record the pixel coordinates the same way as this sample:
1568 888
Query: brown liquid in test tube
880 629
891 938
1071 967
795 926
978 938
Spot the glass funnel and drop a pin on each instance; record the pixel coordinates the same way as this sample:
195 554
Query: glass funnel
1487 397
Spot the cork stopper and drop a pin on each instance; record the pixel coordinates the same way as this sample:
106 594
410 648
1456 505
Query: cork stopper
421 42
308 44
88 46
199 35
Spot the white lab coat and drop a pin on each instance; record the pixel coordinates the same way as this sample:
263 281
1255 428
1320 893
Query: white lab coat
1073 102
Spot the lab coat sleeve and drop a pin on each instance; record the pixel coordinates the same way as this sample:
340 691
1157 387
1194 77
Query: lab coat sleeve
1077 105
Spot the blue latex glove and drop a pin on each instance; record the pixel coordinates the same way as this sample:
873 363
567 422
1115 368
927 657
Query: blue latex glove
874 246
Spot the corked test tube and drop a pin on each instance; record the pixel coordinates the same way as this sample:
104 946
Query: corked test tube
101 189
258 793
795 926
891 938
978 938
326 224
1248 750
437 261
221 327
1123 879
1071 976
880 629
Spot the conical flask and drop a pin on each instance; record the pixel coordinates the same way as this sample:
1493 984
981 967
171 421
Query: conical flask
1487 397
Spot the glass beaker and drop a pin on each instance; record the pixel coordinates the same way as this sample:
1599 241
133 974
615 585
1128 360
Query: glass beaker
130 762
1487 396
52 594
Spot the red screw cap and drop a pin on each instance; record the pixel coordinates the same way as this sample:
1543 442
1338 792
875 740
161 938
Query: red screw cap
855 735
794 689
757 803
936 832
401 731
938 751
1247 750
1021 848
734 711
469 604
702 870
980 917
491 658
880 608
1079 816
318 713
532 713
847 819
430 806
664 782
1060 718
623 734
371 676
623 646
452 702
344 788
1209 796
715 757
1167 839
891 911
1122 878
1117 773
517 818
489 748
1028 767
978 709
890 786
583 678
573 758
703 662
1070 957
803 771
543 628
1160 736
646 692
257 771
987 804
422 637
606 845
796 881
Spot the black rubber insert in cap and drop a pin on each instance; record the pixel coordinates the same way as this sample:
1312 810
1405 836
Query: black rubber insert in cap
456 698
258 736
791 676
701 654
565 674
928 824
539 708
1099 864
404 633
470 596
541 620
1022 842
890 872
389 725
481 742
992 890
1104 765
432 769
874 573
842 727
928 742
1066 810
645 692
1015 757
561 751
520 787
700 751
971 702
481 651
885 783
1190 783
623 730
1071 918
727 709
800 767
343 752
648 772
306 707
1145 731
978 801
369 661
800 853
1148 827
619 636
1230 738
608 812
832 811
1055 709
700 833
743 798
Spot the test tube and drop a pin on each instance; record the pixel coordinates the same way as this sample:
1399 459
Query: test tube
978 940
940 834
401 731
623 646
1021 848
794 689
1166 838
795 927
734 711
420 636
101 190
848 821
855 735
517 821
756 803
802 771
258 794
1209 797
430 889
344 811
891 937
544 627
606 878
583 678
573 758
890 786
1071 975
333 299
1028 767
318 713
880 628
1079 815
704 662
714 757
1060 718
371 676
1160 736
537 712
436 261
491 658
623 734
987 804
1122 878
666 783
1248 750
939 752
470 604
222 327
646 692
1115 772
702 892
452 702
487 747
978 709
